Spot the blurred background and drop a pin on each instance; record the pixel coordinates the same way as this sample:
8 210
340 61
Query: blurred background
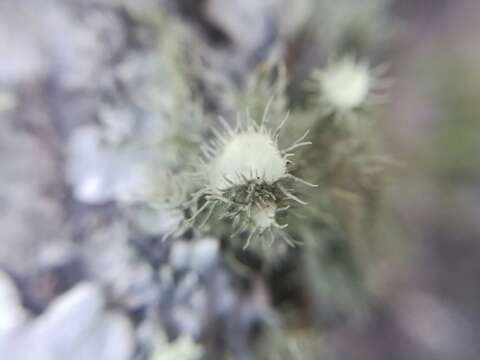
84 276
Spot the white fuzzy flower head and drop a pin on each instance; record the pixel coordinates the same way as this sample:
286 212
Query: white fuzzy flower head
246 173
347 85
246 157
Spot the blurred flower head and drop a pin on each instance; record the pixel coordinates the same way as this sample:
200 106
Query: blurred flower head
246 173
347 85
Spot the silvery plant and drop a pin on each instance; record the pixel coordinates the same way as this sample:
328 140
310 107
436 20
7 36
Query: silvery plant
265 171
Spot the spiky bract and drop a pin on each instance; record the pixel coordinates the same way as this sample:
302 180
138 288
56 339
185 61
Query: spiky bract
245 175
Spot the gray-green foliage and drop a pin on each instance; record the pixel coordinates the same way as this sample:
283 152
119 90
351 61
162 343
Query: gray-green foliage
333 221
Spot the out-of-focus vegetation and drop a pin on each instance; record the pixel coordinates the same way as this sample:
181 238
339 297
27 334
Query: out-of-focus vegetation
117 241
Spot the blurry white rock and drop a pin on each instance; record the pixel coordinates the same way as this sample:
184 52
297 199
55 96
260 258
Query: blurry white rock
76 326
180 255
69 319
113 263
89 167
11 310
128 172
111 339
204 255
153 221
19 38
199 255
100 173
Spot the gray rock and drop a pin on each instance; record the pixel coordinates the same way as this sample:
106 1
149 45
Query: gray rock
76 326
13 314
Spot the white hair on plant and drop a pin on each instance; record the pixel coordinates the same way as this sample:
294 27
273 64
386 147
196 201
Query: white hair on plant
245 157
347 85
244 171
